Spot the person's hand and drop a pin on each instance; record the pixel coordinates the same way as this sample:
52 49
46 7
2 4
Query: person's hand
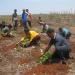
42 52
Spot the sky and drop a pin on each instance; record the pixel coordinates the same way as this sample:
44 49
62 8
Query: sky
36 6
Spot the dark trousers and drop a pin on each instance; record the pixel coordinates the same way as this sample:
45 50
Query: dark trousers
29 23
60 55
15 25
25 25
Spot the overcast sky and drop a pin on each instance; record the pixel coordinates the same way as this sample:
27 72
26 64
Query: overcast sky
36 6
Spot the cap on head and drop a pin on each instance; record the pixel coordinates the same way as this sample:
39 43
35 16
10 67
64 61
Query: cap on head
50 30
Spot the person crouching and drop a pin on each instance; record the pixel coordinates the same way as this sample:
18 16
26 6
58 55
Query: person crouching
6 30
31 38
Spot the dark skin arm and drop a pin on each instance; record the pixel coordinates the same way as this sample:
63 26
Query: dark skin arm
47 48
49 45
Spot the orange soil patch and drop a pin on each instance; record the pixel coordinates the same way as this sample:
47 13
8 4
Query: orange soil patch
23 61
53 69
36 53
7 48
6 37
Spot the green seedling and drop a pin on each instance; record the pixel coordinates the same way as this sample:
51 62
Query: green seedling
44 57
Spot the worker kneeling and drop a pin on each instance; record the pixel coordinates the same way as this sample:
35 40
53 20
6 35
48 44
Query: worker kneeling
6 31
31 38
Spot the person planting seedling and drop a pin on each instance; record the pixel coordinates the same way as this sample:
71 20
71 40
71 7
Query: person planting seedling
31 38
44 57
24 42
62 47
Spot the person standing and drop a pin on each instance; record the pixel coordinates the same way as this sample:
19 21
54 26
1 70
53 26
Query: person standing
15 19
29 18
24 20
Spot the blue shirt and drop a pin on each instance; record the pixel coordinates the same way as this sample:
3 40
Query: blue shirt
24 17
66 31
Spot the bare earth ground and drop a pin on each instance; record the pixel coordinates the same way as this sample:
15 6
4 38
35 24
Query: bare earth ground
22 61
